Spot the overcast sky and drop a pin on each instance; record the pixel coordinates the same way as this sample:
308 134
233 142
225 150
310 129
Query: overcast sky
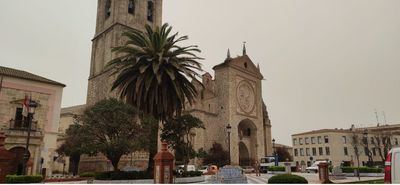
327 64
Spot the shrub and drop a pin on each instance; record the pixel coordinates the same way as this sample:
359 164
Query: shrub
276 168
23 179
88 174
122 175
362 170
287 179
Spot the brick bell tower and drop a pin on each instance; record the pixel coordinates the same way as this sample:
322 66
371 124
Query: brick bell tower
114 17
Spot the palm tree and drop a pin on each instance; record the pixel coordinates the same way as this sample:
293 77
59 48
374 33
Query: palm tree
154 74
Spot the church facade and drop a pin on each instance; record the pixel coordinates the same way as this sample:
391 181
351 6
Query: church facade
233 97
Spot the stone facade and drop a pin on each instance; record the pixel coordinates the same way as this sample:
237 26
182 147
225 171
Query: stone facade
109 28
42 146
234 97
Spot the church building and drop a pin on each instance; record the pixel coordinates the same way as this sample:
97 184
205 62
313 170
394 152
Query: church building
233 97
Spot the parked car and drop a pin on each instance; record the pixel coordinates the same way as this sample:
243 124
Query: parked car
314 167
181 168
203 169
248 169
392 166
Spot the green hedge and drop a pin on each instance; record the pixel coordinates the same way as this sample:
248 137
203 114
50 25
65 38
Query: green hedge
23 179
276 168
88 174
362 170
189 174
287 179
122 175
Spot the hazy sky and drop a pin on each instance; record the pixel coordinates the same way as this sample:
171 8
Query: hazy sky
327 64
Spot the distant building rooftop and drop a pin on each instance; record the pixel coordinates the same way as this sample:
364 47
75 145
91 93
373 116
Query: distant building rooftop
10 72
394 127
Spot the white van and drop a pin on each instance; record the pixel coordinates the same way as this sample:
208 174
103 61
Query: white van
392 166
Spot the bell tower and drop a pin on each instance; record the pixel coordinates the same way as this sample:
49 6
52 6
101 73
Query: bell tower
114 17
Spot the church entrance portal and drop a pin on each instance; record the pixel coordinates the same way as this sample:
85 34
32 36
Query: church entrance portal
247 142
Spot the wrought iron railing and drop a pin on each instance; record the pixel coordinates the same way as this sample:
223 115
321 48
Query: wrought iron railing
23 125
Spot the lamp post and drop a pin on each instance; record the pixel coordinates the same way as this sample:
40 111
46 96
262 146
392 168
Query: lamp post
275 154
229 130
31 111
365 135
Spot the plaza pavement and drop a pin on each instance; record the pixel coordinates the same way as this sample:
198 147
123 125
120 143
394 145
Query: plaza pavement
312 178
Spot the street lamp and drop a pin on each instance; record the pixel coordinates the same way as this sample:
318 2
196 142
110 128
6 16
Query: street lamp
229 130
31 111
365 134
275 154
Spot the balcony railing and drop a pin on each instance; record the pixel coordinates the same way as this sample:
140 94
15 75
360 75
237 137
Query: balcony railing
23 125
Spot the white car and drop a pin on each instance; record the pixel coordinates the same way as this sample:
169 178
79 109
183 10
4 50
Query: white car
190 168
392 166
203 169
314 167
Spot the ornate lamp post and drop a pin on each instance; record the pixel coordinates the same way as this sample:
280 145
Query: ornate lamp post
365 135
229 130
32 108
275 154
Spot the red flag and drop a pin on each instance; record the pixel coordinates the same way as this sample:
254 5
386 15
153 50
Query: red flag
25 107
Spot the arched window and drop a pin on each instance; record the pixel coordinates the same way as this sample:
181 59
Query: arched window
108 8
131 6
150 11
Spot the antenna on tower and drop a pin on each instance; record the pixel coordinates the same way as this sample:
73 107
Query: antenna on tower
377 118
384 117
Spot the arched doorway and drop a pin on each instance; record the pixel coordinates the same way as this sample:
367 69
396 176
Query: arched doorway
244 156
18 160
247 142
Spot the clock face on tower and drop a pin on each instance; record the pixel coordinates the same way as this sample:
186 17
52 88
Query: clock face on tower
245 96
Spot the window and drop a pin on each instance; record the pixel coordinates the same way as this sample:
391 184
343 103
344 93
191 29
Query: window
131 6
314 151
20 120
321 151
307 151
319 139
326 139
346 152
245 65
312 140
150 11
296 152
327 151
396 141
301 141
108 8
301 152
344 139
307 140
372 140
374 151
294 142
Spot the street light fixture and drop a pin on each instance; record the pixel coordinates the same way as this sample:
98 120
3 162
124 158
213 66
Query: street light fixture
275 154
229 130
31 111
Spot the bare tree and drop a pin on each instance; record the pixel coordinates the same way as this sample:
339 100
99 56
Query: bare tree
383 142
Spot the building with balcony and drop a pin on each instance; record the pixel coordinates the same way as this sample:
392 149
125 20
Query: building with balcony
14 86
341 146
